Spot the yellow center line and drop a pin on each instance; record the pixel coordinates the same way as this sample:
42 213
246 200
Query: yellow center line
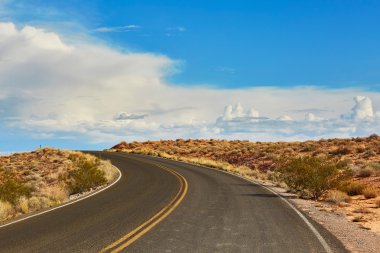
132 236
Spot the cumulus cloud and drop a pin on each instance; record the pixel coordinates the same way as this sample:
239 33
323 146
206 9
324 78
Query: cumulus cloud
237 113
74 90
361 121
311 117
362 109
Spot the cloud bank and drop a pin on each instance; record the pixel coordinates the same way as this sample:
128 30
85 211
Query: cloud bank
53 89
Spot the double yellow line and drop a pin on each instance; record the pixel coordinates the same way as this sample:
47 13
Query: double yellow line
144 228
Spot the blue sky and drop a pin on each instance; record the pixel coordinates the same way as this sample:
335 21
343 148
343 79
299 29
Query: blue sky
236 43
307 48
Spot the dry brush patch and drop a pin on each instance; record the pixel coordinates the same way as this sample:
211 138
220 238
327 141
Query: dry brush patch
48 177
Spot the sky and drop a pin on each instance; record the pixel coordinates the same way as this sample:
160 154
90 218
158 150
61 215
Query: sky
88 74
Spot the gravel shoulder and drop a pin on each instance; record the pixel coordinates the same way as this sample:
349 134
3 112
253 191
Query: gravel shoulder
354 236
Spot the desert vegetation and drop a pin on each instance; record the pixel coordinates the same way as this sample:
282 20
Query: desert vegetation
345 172
48 177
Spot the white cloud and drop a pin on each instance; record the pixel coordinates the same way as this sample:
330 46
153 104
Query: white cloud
173 31
312 117
236 113
125 28
285 118
177 29
362 109
88 90
362 122
128 116
253 113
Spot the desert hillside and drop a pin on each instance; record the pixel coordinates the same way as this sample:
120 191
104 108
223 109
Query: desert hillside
343 172
358 153
47 177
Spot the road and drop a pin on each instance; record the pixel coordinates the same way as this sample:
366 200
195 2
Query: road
166 206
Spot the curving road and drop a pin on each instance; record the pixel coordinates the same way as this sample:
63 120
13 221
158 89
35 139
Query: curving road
166 206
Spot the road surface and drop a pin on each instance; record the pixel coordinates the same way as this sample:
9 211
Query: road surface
167 206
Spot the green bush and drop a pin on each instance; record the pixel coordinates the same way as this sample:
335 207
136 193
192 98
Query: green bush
11 188
311 176
86 176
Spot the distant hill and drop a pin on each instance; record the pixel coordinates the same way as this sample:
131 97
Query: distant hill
358 153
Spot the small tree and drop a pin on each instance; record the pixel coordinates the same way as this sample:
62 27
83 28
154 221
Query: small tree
311 176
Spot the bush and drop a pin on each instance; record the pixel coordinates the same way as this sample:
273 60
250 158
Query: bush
23 204
341 151
365 172
86 176
370 192
6 210
337 197
11 188
311 176
375 166
352 188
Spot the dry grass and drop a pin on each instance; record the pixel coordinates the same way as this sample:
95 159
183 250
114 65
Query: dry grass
352 188
370 192
366 172
337 197
362 210
239 170
110 173
6 210
35 180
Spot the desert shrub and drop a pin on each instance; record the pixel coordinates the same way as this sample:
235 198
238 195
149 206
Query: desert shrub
352 188
6 209
11 188
374 137
375 166
341 151
110 173
34 203
377 203
336 196
365 172
369 153
362 210
23 204
310 148
86 176
370 192
311 176
358 218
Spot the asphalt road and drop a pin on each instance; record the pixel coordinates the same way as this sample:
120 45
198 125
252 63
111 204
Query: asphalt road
166 206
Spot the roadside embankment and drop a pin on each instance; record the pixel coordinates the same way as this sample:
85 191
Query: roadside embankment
44 178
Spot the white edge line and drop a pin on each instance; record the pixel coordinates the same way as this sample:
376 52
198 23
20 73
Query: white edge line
66 204
312 228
